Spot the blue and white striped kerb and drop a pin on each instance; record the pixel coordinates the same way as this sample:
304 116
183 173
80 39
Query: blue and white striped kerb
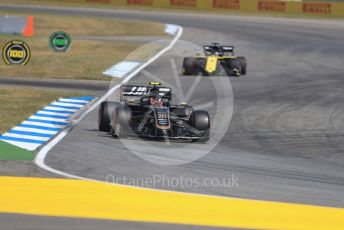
45 124
121 69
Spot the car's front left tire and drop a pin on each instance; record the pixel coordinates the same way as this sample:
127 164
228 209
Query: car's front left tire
120 122
104 115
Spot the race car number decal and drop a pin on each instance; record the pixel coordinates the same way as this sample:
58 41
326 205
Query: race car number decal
162 118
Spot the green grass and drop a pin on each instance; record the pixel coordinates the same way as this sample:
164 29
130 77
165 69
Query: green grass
10 152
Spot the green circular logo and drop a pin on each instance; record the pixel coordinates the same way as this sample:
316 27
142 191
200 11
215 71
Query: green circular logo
60 41
16 52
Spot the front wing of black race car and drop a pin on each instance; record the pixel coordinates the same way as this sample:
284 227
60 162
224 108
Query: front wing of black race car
169 123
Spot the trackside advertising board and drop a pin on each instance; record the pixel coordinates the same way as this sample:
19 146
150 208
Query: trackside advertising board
316 8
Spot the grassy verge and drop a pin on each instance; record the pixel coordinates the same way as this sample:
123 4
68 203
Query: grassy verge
87 58
10 153
17 104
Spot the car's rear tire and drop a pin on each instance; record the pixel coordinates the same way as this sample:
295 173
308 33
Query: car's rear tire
234 67
189 66
104 115
243 64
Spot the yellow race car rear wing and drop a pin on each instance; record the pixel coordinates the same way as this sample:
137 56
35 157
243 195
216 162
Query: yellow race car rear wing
218 50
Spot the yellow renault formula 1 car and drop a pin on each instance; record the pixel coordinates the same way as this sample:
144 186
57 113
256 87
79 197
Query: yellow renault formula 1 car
217 60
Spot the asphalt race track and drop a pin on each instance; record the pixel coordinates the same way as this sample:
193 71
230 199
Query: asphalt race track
285 140
15 222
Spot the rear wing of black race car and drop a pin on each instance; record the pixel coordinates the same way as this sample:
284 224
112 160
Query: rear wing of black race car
132 92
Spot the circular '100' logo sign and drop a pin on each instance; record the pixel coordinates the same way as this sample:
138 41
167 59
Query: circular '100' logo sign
16 53
60 41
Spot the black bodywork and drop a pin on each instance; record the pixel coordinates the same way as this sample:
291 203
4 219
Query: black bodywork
147 112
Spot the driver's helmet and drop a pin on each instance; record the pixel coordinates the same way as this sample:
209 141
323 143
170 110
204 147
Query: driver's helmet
155 100
218 50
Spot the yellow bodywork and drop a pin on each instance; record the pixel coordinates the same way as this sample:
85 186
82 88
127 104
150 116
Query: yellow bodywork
211 63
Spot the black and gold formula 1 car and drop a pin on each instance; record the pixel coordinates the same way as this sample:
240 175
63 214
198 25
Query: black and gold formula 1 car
216 60
148 112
